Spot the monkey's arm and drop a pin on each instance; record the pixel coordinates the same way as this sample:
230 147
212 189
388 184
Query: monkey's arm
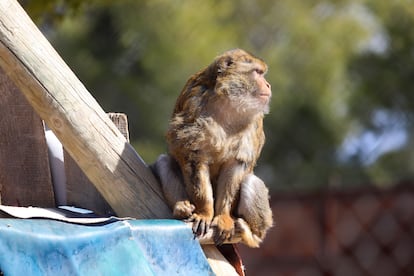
231 176
197 181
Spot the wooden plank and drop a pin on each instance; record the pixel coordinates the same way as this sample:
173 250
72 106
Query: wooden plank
217 261
84 129
24 166
80 191
121 122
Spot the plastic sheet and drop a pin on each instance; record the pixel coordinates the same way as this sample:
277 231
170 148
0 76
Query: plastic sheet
129 247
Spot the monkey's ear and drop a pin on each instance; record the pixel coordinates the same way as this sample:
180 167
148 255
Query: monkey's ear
223 64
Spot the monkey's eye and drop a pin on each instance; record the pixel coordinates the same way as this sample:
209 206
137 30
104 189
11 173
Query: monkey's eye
259 71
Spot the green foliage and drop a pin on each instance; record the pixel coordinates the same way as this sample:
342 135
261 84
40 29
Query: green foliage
383 81
335 68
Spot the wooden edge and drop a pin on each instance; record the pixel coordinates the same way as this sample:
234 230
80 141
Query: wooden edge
217 261
121 122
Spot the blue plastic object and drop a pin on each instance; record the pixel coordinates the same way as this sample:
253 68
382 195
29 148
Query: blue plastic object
129 247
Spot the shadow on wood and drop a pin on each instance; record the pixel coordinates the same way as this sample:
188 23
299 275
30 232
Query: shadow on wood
24 165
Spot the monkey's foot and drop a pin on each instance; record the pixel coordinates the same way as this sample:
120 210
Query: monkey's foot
201 223
183 209
224 225
243 230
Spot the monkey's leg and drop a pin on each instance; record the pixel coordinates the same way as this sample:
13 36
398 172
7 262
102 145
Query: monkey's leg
228 185
253 211
169 174
197 180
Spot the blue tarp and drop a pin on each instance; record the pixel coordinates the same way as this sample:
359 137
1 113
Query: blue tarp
128 247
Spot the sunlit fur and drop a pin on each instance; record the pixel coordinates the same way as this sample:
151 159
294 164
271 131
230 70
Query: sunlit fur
214 139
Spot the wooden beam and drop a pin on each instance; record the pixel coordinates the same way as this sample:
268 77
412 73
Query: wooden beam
84 129
79 190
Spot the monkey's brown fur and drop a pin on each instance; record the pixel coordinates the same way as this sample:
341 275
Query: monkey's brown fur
215 137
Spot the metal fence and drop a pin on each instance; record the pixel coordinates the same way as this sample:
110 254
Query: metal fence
359 232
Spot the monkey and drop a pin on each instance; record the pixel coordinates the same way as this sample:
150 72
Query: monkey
215 136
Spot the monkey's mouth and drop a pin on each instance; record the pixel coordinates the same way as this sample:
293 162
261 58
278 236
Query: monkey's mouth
265 96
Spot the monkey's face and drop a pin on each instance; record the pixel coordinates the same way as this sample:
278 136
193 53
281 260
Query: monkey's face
263 91
241 78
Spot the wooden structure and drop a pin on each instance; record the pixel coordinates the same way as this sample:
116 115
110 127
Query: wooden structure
87 133
24 169
121 180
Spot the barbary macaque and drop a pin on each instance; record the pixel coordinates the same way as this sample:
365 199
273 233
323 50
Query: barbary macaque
214 139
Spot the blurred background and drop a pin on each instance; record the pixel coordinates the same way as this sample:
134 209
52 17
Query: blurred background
339 156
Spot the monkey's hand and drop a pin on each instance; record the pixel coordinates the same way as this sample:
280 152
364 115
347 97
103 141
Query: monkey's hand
183 209
201 223
224 225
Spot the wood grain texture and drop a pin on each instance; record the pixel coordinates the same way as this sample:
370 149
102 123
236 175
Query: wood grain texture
217 261
84 129
24 166
80 191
